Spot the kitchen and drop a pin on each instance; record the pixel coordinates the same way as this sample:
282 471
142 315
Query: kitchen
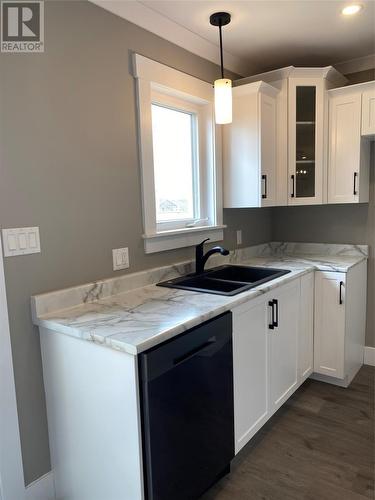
79 148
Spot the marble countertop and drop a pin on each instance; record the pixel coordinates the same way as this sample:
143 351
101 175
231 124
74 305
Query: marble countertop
131 314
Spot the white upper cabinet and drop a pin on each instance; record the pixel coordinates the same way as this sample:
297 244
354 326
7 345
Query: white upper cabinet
306 140
249 148
368 111
301 132
307 133
349 154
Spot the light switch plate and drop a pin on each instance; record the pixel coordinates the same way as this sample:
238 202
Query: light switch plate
120 258
21 241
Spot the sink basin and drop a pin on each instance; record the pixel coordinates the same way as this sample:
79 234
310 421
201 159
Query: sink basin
203 284
245 274
225 280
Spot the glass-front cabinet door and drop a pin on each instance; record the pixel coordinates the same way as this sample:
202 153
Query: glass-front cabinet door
306 146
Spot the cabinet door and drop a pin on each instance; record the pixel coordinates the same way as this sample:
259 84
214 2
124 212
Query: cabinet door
306 141
249 148
268 149
241 152
306 328
250 360
283 351
329 331
368 112
344 148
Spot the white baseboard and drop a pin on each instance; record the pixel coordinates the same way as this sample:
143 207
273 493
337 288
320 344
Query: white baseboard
369 357
41 489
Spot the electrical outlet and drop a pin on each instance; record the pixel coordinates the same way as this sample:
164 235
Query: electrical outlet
239 236
120 258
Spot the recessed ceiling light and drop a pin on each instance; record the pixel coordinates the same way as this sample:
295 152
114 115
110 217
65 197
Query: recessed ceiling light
349 10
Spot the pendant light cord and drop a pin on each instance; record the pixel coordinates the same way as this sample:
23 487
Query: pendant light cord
221 51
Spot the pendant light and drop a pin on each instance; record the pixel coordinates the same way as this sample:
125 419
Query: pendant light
223 86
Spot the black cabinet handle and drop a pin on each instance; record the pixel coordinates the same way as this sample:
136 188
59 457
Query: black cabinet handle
355 183
276 303
340 297
271 326
292 177
264 178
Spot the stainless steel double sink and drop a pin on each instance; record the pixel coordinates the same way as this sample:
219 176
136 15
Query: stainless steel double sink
225 280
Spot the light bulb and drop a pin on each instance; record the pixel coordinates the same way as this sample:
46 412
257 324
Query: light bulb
223 101
349 10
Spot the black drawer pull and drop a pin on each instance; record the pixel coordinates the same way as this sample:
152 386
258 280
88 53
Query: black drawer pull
271 326
276 303
340 297
292 177
355 183
264 178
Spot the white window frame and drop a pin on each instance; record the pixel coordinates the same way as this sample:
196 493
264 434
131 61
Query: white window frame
170 102
157 83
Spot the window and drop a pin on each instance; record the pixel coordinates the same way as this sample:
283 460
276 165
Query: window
176 169
181 170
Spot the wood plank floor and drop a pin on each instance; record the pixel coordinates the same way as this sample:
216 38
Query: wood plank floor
318 446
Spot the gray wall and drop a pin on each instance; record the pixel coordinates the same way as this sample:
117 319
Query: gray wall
335 224
69 164
361 76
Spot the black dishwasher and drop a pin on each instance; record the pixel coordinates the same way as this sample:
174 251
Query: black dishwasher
187 411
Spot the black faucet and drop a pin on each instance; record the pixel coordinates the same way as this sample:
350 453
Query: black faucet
201 259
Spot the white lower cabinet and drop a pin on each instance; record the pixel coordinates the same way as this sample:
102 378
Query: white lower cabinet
265 350
340 324
312 326
306 328
330 323
283 353
250 352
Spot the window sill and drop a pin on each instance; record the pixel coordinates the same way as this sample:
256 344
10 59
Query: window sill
180 238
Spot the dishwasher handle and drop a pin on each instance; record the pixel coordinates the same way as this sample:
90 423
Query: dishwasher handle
206 340
194 352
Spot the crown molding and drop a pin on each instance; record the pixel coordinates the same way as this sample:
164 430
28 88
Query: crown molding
253 87
356 65
328 72
362 87
269 76
150 20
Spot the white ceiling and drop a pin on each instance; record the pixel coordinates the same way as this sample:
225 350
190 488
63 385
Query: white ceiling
263 34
